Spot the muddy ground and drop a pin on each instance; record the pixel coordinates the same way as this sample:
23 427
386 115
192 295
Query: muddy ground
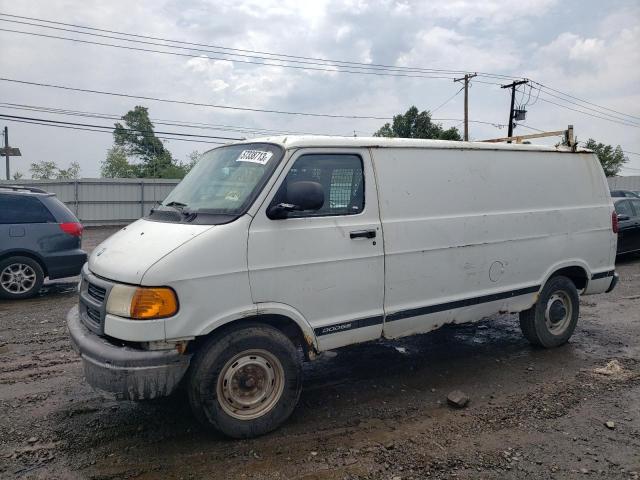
375 411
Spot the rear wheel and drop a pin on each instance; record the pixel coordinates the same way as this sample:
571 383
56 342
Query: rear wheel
246 381
552 320
20 277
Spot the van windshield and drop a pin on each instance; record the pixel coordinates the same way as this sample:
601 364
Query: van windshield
225 180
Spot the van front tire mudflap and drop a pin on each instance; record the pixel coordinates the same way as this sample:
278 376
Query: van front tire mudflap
245 381
552 320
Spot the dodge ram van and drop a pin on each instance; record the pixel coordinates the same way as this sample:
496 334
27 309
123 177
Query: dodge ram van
274 250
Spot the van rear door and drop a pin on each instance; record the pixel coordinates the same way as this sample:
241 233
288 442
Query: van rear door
327 265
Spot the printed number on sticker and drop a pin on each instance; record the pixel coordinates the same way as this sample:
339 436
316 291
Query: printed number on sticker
255 156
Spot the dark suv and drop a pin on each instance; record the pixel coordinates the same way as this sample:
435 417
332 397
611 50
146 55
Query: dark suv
39 237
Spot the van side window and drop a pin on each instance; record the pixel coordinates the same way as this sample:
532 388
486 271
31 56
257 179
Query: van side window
341 177
636 207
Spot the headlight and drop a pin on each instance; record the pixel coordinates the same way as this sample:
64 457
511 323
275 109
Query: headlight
142 303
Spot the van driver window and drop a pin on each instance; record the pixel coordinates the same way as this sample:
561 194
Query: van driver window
341 178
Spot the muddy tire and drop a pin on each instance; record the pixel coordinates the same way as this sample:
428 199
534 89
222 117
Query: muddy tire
245 381
552 320
20 277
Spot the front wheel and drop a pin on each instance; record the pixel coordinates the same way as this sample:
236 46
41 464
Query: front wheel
245 381
552 320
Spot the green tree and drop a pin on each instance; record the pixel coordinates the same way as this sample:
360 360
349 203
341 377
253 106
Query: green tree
71 173
117 165
610 158
17 175
138 139
415 124
192 159
43 170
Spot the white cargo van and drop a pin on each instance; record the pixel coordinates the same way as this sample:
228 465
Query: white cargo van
274 250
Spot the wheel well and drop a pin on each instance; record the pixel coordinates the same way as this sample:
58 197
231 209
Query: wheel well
27 254
280 322
577 275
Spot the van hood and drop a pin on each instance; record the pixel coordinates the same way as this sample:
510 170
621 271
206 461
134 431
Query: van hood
126 255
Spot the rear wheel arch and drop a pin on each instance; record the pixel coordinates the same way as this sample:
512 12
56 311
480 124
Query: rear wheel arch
578 274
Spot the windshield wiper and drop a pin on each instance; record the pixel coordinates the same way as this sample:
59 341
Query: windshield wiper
178 206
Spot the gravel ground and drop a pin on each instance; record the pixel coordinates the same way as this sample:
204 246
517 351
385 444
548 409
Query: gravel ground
374 411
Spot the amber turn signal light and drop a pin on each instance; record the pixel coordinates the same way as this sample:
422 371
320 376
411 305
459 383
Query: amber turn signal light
149 303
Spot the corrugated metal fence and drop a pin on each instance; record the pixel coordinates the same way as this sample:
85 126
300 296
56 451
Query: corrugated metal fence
105 201
625 183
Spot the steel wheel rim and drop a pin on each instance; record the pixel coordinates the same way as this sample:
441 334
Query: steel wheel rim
558 325
18 278
250 384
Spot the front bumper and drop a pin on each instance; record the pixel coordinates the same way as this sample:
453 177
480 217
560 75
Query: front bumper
614 282
128 372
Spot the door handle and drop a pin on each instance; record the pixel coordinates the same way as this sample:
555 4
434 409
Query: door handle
362 234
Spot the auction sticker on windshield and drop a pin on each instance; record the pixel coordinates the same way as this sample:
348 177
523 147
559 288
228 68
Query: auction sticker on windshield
255 156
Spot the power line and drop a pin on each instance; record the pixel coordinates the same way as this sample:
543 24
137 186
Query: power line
616 117
612 119
197 104
530 128
176 123
590 114
541 85
209 57
446 101
272 56
105 131
237 129
161 135
110 128
378 69
219 51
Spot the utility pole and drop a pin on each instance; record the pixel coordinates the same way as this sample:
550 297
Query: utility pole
513 86
6 150
466 79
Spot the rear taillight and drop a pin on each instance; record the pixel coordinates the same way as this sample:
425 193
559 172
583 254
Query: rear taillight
72 228
614 222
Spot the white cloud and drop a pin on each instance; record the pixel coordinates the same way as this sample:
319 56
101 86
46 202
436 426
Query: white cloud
493 12
448 49
597 57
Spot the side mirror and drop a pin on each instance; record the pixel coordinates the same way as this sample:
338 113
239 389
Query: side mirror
303 195
622 217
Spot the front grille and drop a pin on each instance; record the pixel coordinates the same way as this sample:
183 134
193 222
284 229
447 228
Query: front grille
96 292
93 315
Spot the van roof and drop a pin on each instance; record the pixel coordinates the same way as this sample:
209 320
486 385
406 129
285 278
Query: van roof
298 141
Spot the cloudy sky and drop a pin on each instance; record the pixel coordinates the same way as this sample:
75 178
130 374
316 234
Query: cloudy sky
588 49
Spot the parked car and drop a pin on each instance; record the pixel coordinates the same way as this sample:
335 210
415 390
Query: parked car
305 244
39 238
628 210
624 194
